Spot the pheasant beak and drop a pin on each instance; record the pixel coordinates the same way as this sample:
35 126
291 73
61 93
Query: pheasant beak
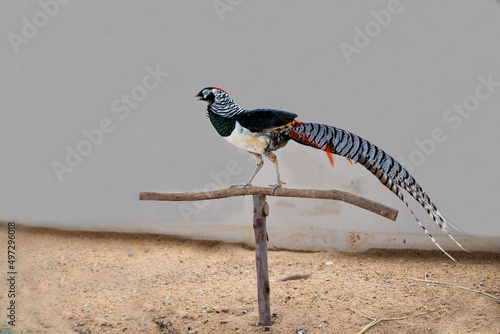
198 98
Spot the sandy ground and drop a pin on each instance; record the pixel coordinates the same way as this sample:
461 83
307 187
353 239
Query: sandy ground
86 282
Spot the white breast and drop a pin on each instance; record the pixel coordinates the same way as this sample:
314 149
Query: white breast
246 140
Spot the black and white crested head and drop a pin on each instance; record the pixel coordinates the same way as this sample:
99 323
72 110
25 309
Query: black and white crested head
219 102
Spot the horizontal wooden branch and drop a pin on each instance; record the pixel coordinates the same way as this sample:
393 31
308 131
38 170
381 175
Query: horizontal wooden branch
338 195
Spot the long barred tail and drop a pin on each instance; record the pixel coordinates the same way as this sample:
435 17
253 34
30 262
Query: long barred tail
391 173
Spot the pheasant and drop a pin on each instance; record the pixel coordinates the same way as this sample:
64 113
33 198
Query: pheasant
262 131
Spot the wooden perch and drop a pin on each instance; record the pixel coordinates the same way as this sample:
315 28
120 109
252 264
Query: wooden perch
261 210
338 195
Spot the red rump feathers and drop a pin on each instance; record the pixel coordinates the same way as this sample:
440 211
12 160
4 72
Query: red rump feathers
330 156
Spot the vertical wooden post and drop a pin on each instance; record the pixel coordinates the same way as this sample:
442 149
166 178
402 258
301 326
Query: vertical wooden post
260 211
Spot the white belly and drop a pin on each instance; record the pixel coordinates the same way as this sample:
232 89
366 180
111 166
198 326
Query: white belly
246 140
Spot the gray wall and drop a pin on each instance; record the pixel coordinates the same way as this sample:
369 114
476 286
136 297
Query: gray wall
113 81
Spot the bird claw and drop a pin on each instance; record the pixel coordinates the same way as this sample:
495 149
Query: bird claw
241 185
276 186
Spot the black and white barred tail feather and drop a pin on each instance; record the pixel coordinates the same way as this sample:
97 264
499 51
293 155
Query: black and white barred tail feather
391 173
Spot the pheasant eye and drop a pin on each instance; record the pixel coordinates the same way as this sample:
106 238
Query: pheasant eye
206 92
